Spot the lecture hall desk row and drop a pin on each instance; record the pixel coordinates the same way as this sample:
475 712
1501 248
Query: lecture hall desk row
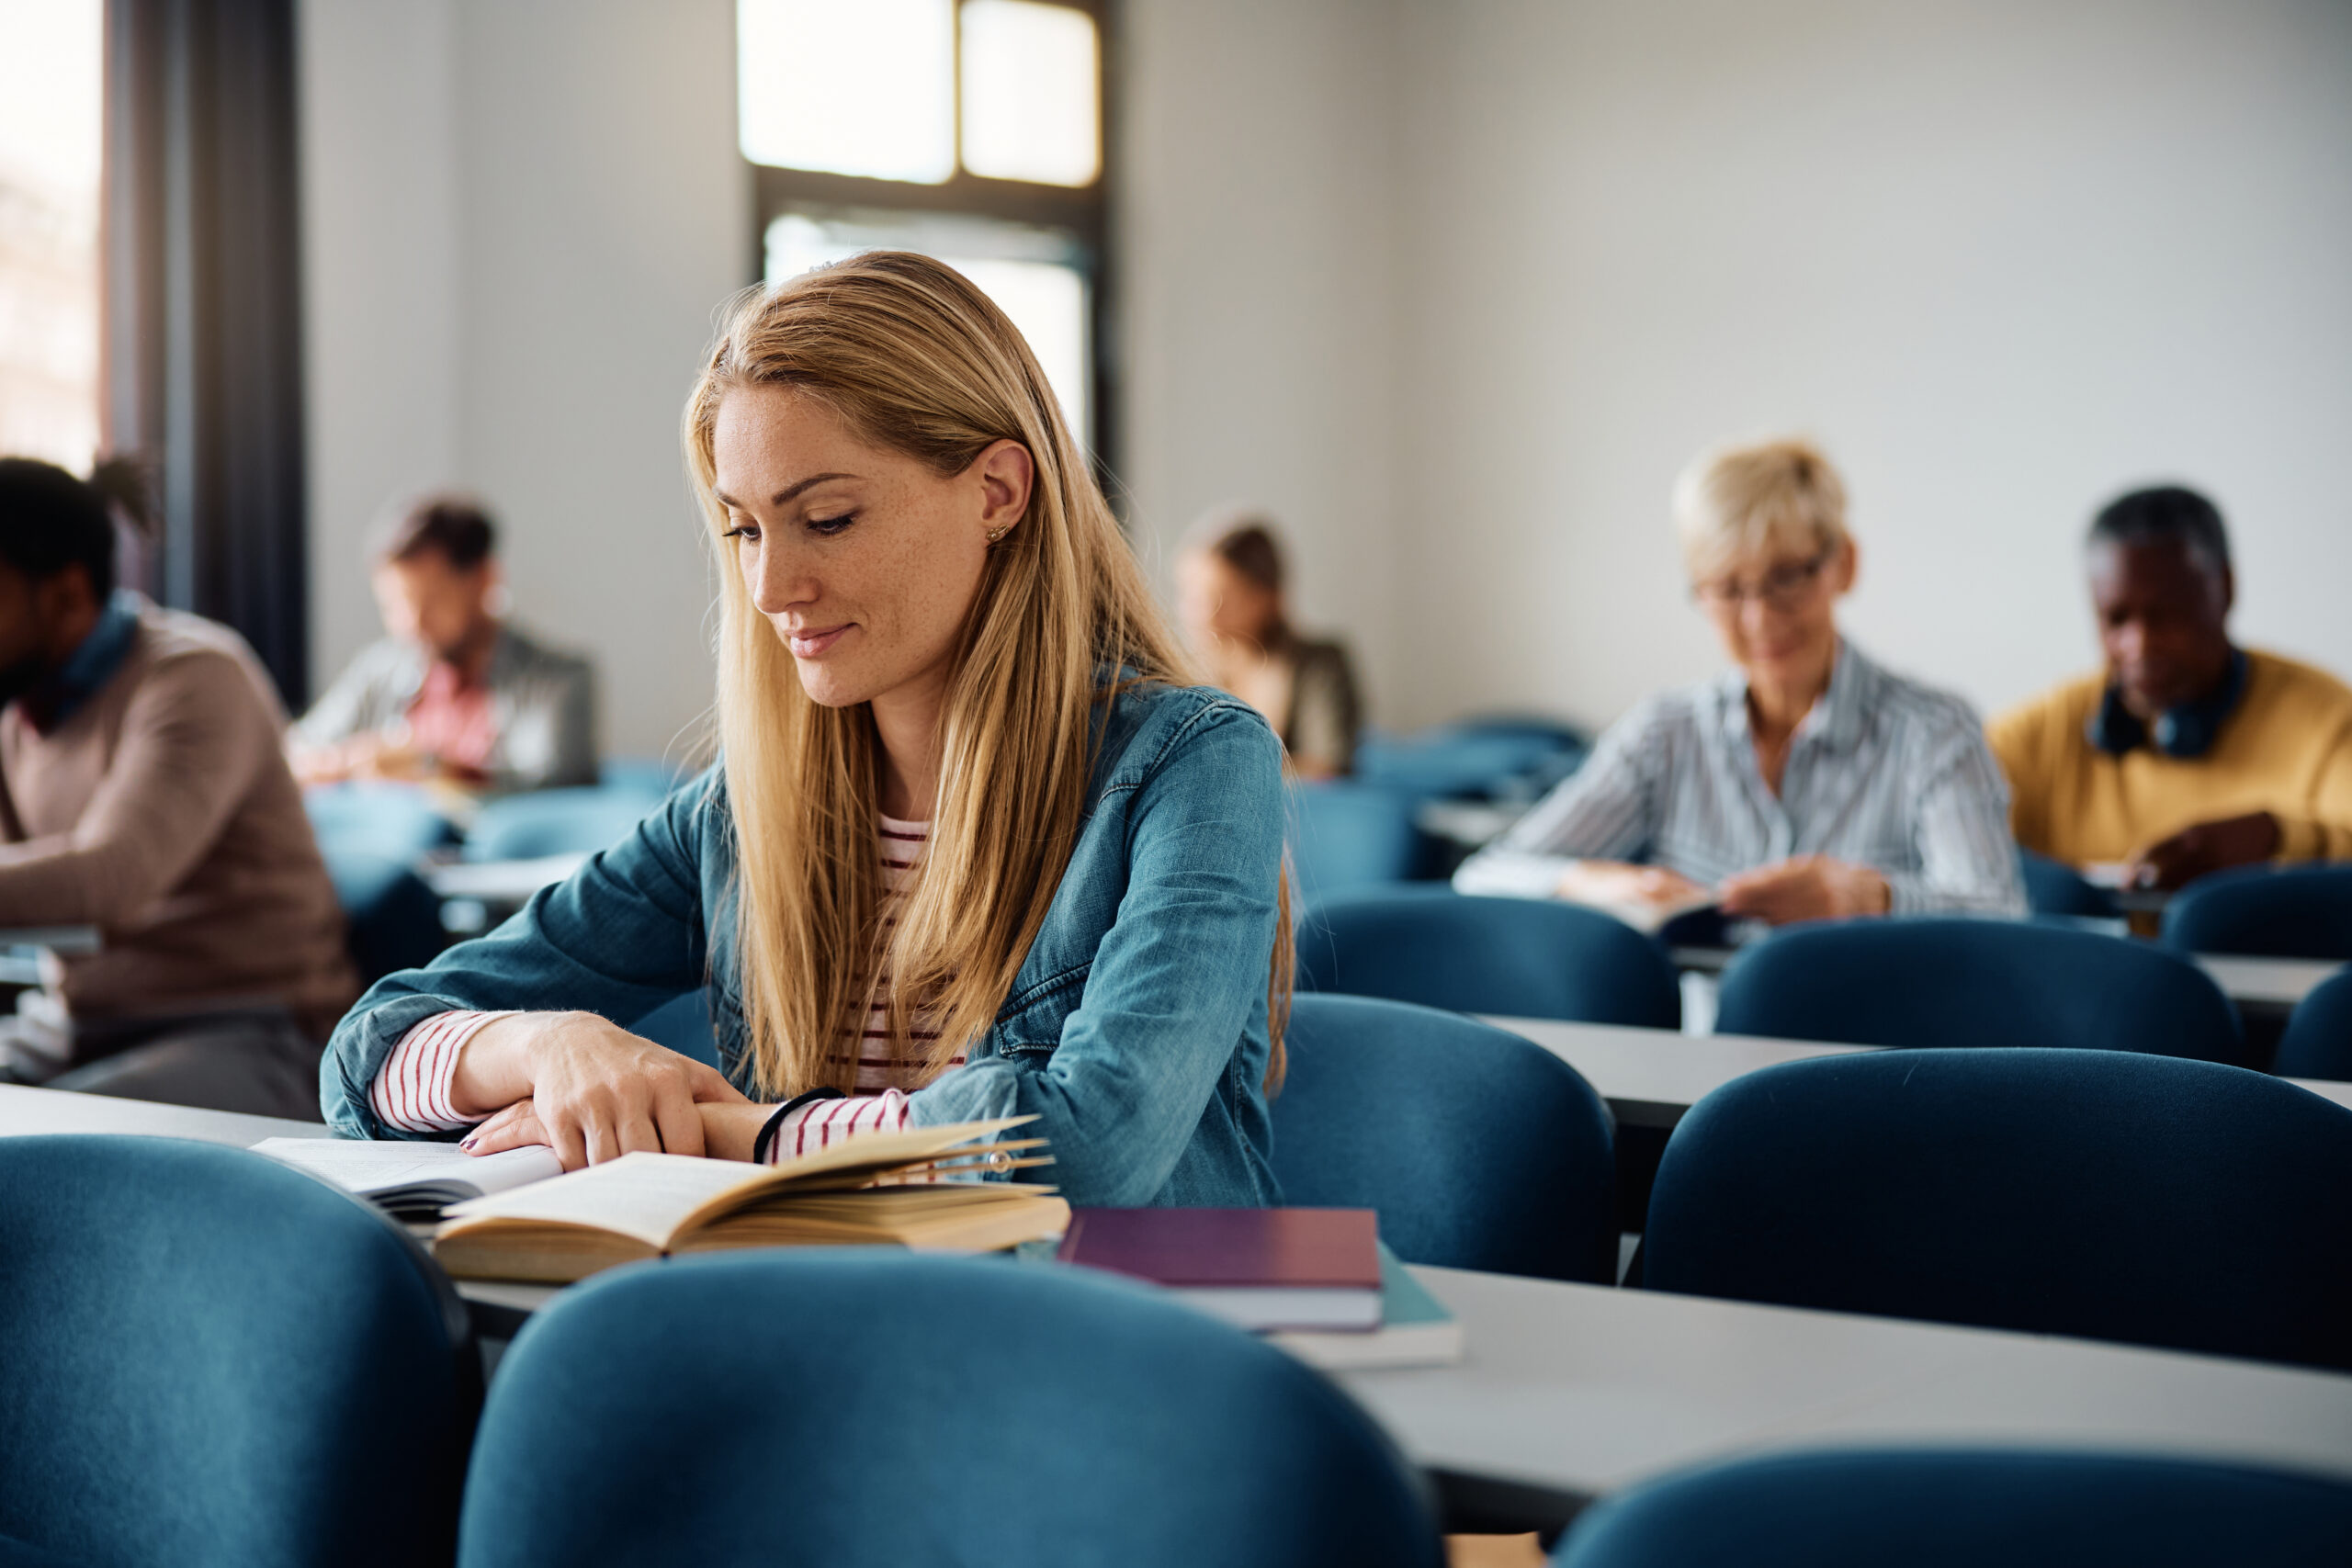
1568 1392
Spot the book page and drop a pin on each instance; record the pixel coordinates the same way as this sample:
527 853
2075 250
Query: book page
368 1166
644 1196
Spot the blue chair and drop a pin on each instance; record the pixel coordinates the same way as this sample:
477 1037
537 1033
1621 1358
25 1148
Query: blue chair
683 1025
1962 1508
395 820
1521 957
864 1407
2144 1199
556 822
394 917
1345 835
650 778
1479 1149
1960 982
2296 912
2053 887
1448 764
212 1359
2318 1041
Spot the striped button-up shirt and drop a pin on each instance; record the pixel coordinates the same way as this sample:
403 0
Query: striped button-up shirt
1883 772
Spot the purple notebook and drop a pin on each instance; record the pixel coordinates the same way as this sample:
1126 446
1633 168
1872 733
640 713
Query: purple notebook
1261 1268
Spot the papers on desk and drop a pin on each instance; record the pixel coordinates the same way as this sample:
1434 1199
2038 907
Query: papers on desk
412 1179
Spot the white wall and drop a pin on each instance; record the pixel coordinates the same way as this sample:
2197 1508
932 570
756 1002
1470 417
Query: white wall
2002 257
1258 290
519 219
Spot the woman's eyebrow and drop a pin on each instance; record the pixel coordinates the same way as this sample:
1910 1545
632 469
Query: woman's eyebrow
784 495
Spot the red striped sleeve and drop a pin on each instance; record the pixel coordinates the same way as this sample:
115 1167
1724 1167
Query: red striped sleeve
825 1122
411 1094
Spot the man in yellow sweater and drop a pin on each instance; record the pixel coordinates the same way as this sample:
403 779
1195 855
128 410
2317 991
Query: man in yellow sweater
2186 754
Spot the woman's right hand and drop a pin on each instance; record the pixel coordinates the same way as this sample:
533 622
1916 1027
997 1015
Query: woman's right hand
597 1090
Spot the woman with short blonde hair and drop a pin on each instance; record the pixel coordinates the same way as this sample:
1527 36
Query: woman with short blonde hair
1808 782
977 847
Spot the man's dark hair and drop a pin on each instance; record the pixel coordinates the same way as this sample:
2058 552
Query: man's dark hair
455 525
2167 512
50 520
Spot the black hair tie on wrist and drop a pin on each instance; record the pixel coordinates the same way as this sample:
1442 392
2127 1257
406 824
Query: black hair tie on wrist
775 1119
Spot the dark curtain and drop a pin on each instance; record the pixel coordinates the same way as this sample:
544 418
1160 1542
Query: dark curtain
203 354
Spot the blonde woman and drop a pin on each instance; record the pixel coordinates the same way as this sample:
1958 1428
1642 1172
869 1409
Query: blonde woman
976 847
1807 782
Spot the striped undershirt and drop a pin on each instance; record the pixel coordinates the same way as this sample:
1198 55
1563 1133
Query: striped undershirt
411 1094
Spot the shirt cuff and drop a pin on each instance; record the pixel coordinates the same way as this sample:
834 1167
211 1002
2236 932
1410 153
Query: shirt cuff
411 1094
1510 873
823 1123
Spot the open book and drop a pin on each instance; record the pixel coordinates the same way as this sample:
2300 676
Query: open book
909 1188
414 1180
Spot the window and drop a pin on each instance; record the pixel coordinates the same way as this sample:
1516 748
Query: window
971 132
52 69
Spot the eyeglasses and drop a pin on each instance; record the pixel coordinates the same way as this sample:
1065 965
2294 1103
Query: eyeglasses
1783 588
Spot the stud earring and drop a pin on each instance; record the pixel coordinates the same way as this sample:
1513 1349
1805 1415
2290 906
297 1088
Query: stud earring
996 534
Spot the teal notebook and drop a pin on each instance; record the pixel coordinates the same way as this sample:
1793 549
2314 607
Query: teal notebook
1415 1330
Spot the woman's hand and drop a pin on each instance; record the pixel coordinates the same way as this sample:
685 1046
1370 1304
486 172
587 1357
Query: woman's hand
1615 882
585 1086
1809 888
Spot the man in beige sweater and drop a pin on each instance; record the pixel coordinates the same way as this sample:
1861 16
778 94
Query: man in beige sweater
143 791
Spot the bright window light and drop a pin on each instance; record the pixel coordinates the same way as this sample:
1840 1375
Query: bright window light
1031 104
51 67
848 86
1031 274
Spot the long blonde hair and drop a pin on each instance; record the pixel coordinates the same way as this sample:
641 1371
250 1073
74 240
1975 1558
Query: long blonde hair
917 360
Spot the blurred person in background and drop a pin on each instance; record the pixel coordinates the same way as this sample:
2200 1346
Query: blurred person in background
1807 782
1229 597
143 791
2185 754
453 694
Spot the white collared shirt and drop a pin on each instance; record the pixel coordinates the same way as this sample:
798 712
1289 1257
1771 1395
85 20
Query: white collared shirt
1883 772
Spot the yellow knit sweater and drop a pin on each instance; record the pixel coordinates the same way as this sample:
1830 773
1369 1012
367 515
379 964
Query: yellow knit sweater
2287 749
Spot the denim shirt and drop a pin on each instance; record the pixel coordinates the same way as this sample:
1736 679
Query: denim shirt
1134 1030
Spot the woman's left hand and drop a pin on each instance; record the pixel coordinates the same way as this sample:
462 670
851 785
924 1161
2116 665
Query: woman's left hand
1808 887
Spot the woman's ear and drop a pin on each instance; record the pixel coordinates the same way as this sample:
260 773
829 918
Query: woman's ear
1845 567
1007 474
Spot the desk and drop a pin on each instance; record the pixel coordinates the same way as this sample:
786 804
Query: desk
1650 1076
1570 1391
2260 986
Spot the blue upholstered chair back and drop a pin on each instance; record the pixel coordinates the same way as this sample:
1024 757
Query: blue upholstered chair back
1345 835
1479 1149
1521 957
1960 982
557 822
1961 1508
2098 1193
207 1358
2297 911
683 1025
864 1407
2318 1041
2053 887
394 917
1461 762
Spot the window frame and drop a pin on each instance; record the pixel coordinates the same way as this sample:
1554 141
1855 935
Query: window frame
1083 212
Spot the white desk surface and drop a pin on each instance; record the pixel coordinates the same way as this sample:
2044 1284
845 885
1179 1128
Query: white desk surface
2273 985
1650 1076
1569 1391
1576 1389
501 881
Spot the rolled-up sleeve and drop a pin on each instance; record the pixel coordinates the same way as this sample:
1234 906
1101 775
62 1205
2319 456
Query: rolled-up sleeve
621 936
1175 980
1607 809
